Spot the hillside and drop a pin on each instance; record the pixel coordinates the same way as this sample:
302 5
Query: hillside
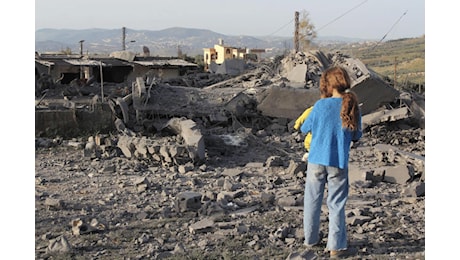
160 43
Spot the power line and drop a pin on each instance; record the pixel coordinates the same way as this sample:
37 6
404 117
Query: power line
389 31
341 15
324 25
281 28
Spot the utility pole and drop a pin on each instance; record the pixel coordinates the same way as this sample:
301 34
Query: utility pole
81 56
81 47
123 38
296 32
394 80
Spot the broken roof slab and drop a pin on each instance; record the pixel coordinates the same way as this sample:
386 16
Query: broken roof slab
166 62
287 102
372 91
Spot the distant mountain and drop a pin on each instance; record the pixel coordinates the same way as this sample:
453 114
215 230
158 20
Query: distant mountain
160 43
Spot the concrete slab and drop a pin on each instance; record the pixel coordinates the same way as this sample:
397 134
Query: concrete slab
287 102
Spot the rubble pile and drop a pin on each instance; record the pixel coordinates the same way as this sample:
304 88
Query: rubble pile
214 171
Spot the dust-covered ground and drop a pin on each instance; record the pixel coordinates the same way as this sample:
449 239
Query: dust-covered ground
112 207
243 201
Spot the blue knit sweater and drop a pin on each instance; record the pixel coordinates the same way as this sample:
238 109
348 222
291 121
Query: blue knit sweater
330 144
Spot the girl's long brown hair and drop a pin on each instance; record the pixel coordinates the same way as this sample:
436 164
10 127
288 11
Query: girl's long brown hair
337 78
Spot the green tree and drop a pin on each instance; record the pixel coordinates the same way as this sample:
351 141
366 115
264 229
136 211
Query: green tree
199 59
67 51
306 31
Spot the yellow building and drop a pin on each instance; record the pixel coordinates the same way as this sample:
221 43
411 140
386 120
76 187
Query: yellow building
220 53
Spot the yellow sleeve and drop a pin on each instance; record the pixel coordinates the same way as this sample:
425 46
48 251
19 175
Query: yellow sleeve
299 121
307 141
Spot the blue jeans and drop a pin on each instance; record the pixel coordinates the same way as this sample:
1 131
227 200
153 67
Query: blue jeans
337 195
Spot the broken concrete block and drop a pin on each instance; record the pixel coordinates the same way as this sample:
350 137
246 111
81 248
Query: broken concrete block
108 169
58 245
355 173
191 135
53 204
244 211
365 83
164 152
286 102
232 172
142 184
414 189
406 155
378 174
240 105
224 197
228 186
188 201
123 55
369 175
204 225
297 73
185 168
140 145
385 115
295 168
126 146
397 174
358 220
287 201
90 149
254 165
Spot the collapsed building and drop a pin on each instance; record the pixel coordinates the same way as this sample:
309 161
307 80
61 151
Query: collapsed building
130 175
198 110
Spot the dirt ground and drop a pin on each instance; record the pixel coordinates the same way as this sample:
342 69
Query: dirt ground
120 220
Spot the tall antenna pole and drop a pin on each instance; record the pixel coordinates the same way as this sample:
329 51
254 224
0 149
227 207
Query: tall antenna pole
123 39
296 32
394 83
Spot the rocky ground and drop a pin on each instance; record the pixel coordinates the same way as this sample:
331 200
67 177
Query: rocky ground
249 203
243 201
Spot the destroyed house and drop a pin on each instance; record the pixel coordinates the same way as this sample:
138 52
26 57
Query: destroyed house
57 67
67 68
161 67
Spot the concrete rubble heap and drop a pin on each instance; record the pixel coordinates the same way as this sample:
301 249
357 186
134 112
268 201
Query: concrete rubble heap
211 167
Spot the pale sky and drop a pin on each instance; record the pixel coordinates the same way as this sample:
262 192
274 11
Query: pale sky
367 19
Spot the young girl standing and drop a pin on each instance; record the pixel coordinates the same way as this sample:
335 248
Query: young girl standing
334 123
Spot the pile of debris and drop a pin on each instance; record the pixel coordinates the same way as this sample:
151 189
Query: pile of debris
195 163
274 91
